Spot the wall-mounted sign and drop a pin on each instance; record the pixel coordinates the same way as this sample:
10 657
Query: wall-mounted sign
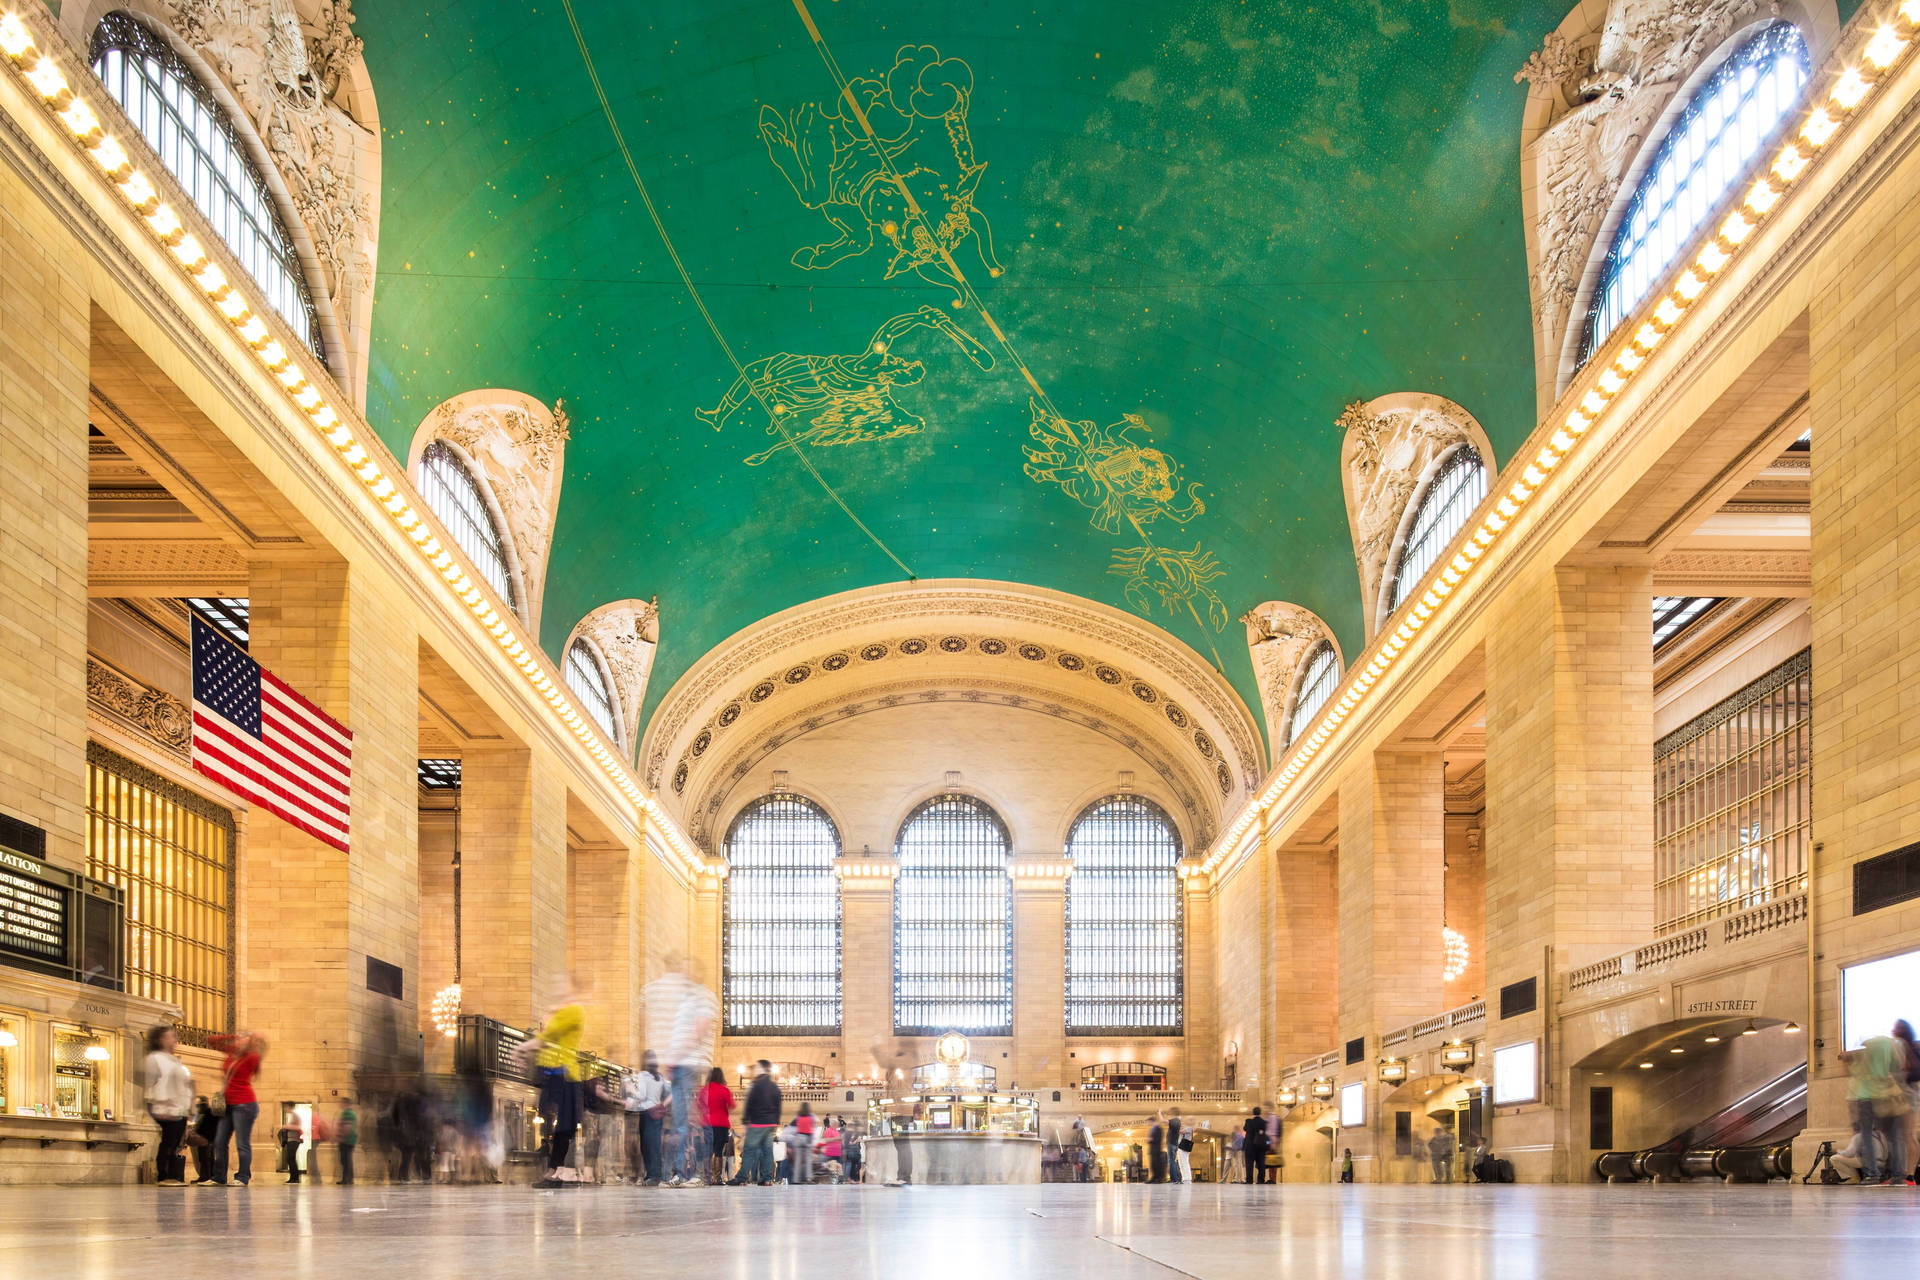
34 911
53 921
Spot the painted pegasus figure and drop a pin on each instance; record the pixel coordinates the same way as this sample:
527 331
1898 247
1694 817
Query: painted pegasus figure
826 400
857 158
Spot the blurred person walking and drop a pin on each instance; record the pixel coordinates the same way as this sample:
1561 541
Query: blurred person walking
1907 1075
201 1129
1157 1148
1272 1174
1876 1097
1179 1144
557 1068
236 1103
800 1145
169 1089
647 1097
1254 1147
680 1019
346 1137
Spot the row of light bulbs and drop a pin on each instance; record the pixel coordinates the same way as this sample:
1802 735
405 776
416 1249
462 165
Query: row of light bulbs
1854 85
43 72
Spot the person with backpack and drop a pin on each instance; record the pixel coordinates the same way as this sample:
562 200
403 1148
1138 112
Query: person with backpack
346 1136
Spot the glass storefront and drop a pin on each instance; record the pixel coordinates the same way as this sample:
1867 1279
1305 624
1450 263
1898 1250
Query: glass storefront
82 1070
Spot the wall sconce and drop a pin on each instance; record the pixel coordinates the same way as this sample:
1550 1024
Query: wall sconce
95 1053
1322 1087
1392 1070
1289 1097
1457 1054
7 1039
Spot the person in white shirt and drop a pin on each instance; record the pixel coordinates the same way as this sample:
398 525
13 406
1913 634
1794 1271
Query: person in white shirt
169 1088
681 1015
647 1101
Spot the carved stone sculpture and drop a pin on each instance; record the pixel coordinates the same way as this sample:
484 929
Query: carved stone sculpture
1607 92
1280 637
519 446
1389 445
626 633
287 64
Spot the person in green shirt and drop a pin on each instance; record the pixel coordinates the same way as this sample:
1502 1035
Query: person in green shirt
1877 1100
346 1136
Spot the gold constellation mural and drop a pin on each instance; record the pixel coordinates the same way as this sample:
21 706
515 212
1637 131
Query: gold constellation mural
843 399
889 159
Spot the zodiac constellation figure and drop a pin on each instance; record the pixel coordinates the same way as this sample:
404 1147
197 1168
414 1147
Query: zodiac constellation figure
1103 469
844 399
1179 578
917 115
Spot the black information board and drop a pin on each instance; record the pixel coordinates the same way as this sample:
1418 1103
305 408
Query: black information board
35 912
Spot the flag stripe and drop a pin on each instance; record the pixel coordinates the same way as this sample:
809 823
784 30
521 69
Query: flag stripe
285 739
325 726
226 779
261 781
265 755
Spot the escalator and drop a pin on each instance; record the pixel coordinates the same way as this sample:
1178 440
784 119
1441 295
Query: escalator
1748 1141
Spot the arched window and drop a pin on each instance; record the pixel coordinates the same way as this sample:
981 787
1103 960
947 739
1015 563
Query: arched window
454 496
1709 148
953 921
1319 676
1123 921
1451 496
587 677
186 126
781 936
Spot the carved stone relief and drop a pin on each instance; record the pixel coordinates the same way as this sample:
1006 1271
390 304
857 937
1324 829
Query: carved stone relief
1280 636
1390 444
519 444
152 713
626 633
1605 93
288 65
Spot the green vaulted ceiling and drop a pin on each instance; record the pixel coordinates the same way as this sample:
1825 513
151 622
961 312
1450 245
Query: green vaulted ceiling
1180 237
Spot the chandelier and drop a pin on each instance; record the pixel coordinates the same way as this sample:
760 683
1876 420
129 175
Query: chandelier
446 1009
1455 944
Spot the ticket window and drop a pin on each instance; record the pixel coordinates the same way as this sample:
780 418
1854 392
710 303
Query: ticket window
13 1036
82 1066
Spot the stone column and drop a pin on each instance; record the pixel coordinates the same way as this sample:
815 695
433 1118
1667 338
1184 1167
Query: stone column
43 524
312 918
1392 885
603 884
866 963
1865 406
513 883
1569 830
1201 1007
1039 970
1306 990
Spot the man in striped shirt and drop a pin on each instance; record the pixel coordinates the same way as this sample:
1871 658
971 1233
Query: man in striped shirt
681 1016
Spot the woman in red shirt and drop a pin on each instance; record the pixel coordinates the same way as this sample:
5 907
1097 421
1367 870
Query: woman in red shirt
244 1052
716 1112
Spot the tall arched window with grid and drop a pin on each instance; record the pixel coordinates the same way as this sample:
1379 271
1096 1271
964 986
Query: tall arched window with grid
953 921
1457 486
780 940
201 147
1124 922
1319 676
454 497
587 677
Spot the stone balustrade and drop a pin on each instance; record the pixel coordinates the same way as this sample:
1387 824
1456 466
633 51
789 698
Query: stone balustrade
1755 922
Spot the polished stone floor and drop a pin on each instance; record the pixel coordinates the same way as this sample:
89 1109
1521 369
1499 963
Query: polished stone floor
1433 1233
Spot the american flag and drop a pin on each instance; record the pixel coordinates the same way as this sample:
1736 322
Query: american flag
260 739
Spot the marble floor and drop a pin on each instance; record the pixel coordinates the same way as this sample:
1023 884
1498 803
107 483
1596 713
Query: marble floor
980 1233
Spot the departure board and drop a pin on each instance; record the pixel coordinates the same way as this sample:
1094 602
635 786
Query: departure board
33 912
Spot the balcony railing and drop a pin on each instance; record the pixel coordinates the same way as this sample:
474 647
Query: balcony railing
1755 922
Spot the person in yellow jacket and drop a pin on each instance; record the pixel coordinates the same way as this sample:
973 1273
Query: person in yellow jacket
557 1069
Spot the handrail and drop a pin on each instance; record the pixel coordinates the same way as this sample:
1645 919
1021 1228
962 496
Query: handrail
1754 922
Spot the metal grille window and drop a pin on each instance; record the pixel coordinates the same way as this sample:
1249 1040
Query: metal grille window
953 921
1732 790
454 496
781 936
1451 496
1124 921
198 144
225 615
588 680
1707 151
172 853
1318 679
1674 614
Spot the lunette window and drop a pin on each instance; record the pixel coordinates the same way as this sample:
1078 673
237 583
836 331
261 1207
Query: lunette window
1674 614
1708 149
184 123
1124 921
780 957
588 680
454 496
1456 489
1318 680
953 921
